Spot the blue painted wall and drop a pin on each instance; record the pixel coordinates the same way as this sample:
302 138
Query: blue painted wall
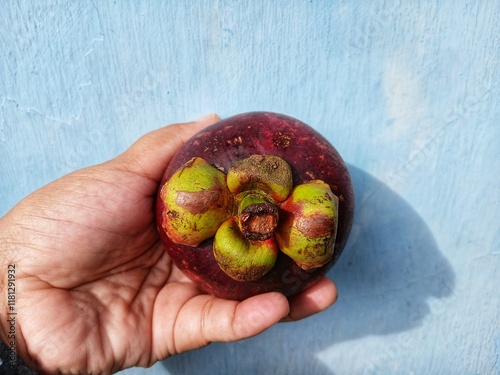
407 91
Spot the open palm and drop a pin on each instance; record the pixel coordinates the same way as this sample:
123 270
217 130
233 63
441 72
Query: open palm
96 291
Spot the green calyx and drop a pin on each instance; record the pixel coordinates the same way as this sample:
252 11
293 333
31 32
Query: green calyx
267 174
197 201
308 227
240 258
252 212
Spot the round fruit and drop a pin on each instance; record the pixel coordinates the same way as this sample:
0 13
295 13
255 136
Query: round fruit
257 202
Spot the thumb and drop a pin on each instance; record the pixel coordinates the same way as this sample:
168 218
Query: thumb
150 155
206 319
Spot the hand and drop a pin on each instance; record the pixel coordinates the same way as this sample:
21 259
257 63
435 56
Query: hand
95 290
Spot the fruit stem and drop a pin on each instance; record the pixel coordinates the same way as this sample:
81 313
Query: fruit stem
257 217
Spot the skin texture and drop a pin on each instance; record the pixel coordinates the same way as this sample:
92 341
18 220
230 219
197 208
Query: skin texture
96 291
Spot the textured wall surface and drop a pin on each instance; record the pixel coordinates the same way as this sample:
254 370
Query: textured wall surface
407 91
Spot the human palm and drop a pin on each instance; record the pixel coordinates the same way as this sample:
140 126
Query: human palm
96 291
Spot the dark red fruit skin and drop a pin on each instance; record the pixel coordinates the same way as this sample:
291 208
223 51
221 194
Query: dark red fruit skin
310 156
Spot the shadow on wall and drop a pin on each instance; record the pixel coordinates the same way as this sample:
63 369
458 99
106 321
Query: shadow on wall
388 271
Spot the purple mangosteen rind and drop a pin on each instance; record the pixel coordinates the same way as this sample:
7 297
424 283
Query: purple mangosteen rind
310 156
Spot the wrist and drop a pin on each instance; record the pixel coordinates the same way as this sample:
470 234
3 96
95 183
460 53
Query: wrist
8 290
4 260
12 346
11 364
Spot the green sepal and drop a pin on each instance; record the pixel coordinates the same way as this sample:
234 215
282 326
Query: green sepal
308 224
266 174
240 258
197 201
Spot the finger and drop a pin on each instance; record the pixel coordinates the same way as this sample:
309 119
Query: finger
206 319
314 299
150 155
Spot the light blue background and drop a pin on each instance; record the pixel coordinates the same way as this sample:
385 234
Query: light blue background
407 91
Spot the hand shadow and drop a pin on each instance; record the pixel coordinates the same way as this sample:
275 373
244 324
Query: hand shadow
389 269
